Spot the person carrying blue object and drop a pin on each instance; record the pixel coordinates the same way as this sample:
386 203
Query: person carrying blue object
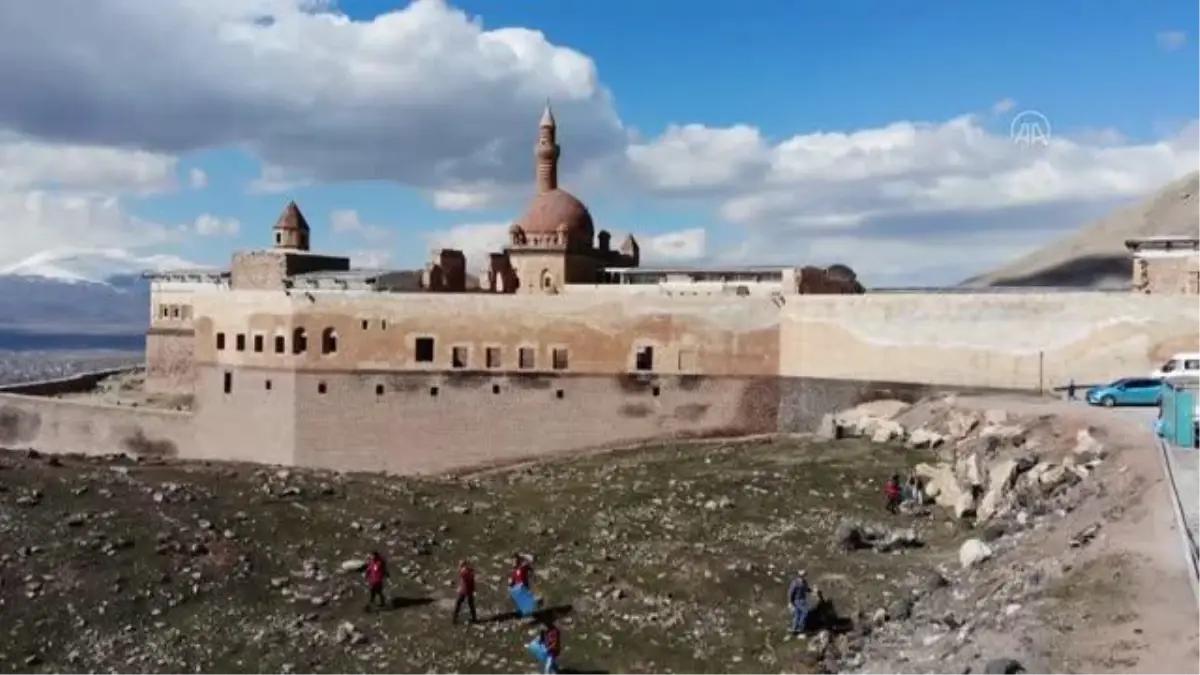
520 586
798 601
546 648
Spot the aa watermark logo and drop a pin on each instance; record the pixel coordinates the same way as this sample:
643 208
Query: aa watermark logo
1030 129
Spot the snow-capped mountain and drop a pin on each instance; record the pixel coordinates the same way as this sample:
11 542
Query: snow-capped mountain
79 291
96 266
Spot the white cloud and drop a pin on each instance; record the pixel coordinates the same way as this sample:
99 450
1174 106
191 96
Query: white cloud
1170 40
274 180
428 97
197 179
475 240
346 221
681 246
208 225
374 259
1003 106
424 95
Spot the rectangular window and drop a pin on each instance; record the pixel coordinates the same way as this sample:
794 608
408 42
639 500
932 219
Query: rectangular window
228 382
365 324
493 357
241 342
321 388
458 357
280 346
525 358
174 311
267 385
645 358
220 341
164 311
560 359
424 350
258 343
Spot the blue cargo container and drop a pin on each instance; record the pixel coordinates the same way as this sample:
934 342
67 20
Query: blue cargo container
1177 415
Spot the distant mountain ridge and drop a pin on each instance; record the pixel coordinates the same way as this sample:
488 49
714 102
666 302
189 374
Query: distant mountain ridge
1095 256
78 291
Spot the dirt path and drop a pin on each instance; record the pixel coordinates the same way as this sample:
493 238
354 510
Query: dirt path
1149 623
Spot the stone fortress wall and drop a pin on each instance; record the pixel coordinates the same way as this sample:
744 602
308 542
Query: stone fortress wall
516 376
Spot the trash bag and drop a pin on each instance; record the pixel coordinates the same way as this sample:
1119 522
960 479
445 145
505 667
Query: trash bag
523 598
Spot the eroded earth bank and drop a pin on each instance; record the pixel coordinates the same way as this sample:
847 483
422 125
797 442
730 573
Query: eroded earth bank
1048 542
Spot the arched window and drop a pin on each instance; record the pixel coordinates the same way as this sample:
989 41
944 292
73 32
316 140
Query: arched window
329 341
299 341
547 279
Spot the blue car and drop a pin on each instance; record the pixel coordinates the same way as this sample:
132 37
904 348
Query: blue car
1126 391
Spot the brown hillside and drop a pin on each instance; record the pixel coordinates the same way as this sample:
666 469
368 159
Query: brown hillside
1095 256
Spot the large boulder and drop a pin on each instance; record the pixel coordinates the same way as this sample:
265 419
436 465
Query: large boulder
973 552
886 431
940 484
1001 478
924 437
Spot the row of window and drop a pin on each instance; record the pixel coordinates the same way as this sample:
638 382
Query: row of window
380 390
175 312
424 351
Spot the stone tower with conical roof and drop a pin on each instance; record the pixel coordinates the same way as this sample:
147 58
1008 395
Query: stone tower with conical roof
291 230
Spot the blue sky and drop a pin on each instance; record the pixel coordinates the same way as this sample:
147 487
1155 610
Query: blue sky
785 69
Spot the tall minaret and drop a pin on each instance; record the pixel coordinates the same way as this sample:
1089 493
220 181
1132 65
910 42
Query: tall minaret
546 152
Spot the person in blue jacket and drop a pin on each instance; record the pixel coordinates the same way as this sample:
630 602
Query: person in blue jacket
798 600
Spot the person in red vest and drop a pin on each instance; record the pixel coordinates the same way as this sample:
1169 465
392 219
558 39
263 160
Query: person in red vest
377 574
466 590
520 585
894 494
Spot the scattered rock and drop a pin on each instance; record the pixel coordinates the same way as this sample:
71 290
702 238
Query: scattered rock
973 552
1003 666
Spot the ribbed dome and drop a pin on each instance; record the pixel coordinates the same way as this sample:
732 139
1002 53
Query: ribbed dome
553 208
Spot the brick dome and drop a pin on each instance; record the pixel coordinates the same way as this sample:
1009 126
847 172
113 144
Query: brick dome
554 208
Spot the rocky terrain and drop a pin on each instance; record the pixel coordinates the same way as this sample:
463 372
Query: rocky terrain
664 559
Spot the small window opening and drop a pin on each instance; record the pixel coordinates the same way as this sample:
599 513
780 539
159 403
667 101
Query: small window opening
559 394
560 359
165 311
433 391
280 344
492 355
655 391
645 358
458 357
267 385
299 341
228 382
321 388
174 311
220 341
258 343
525 358
241 342
424 350
278 238
383 324
365 324
379 390
495 389
329 341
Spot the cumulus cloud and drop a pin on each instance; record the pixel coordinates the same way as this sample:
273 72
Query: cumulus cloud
55 194
197 179
811 194
208 225
347 222
1170 40
313 94
431 98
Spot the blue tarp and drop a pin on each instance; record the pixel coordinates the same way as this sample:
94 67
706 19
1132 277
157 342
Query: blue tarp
523 598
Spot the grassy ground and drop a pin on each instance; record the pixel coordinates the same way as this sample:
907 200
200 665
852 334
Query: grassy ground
671 559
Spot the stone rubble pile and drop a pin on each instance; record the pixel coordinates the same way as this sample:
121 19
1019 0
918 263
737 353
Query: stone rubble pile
1006 477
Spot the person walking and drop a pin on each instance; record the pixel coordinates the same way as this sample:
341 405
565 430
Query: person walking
466 590
376 574
893 493
798 601
520 585
546 647
1071 390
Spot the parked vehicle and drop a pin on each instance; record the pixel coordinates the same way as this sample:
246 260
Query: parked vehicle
1126 391
1183 363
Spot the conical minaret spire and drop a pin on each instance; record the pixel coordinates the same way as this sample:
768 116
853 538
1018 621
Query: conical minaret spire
546 151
